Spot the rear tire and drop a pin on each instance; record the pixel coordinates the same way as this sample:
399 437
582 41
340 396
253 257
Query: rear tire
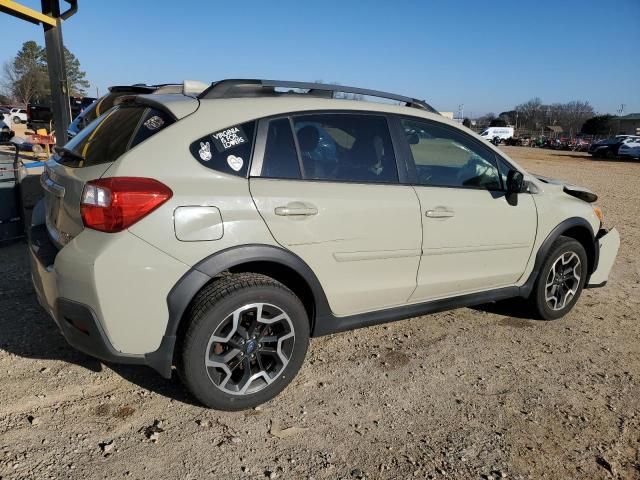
247 338
561 279
17 120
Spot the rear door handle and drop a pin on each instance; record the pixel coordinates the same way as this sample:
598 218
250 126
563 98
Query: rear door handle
296 209
440 213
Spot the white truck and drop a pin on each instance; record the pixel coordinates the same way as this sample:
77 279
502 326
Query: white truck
497 134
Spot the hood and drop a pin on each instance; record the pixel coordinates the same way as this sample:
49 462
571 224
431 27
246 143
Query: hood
582 193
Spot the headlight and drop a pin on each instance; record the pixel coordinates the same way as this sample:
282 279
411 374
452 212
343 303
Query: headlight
598 212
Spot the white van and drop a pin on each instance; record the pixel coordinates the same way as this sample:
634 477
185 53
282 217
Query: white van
495 134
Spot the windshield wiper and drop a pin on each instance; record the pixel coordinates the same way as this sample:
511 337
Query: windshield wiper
67 152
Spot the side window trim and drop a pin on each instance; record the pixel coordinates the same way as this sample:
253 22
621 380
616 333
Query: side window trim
404 158
297 144
259 147
411 161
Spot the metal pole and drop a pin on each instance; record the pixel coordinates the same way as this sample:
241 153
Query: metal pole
57 73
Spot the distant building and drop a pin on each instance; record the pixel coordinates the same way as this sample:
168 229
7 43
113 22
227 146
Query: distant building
448 115
629 124
553 130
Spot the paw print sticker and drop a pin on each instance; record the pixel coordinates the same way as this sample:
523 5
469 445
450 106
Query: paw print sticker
205 151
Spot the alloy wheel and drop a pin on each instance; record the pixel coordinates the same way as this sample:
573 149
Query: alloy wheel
563 280
250 349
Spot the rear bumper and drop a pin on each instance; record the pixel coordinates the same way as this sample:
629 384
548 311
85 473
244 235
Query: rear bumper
78 323
608 243
81 328
68 288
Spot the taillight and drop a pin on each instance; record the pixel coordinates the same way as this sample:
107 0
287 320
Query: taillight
114 204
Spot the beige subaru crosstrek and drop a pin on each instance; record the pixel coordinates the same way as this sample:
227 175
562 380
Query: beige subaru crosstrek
218 229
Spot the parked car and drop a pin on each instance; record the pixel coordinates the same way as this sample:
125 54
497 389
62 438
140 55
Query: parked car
18 115
5 128
609 147
218 231
39 115
630 149
580 144
497 134
107 101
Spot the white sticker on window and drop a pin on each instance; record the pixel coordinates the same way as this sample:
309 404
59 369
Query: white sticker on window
205 151
229 138
154 123
235 162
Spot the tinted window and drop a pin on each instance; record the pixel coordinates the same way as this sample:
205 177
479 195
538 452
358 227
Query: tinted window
227 150
346 147
280 157
108 137
446 157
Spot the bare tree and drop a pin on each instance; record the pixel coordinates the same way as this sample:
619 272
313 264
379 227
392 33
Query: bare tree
23 88
531 114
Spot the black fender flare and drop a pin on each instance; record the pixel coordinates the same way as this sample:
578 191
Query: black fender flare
203 272
562 227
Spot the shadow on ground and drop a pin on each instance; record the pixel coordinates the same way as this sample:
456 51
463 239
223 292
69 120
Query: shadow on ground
28 332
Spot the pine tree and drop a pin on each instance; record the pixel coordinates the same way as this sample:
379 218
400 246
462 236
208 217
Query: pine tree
78 85
26 76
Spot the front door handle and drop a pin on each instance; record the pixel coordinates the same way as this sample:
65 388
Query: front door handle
296 209
440 213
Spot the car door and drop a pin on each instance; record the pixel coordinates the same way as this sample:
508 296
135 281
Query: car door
327 186
475 237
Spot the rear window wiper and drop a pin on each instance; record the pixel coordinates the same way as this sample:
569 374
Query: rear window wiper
67 152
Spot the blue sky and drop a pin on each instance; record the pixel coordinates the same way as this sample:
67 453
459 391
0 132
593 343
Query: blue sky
487 55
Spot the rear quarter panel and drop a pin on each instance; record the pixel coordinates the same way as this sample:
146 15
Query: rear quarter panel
166 157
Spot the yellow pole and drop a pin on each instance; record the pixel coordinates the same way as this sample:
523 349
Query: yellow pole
30 14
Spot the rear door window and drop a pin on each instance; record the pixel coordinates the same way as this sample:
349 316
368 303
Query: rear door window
346 147
108 137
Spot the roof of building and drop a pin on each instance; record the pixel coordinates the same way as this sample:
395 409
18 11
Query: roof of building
554 128
631 116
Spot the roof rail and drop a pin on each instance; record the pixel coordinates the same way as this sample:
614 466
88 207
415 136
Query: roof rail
235 88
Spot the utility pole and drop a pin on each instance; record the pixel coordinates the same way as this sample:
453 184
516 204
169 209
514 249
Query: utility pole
51 19
620 112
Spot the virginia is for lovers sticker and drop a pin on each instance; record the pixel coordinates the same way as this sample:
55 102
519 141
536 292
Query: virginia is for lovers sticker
229 138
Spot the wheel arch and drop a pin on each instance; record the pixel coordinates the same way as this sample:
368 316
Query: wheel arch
278 263
577 228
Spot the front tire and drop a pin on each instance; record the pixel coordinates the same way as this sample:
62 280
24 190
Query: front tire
246 340
561 279
17 120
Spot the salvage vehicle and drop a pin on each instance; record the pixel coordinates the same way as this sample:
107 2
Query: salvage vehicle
5 128
18 115
216 231
630 149
40 116
609 147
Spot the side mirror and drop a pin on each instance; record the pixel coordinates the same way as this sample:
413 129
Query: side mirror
515 181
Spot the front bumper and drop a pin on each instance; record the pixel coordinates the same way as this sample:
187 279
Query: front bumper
608 243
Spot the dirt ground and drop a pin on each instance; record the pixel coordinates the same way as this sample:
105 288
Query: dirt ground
472 393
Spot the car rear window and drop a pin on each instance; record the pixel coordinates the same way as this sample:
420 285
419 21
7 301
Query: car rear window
227 150
112 134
